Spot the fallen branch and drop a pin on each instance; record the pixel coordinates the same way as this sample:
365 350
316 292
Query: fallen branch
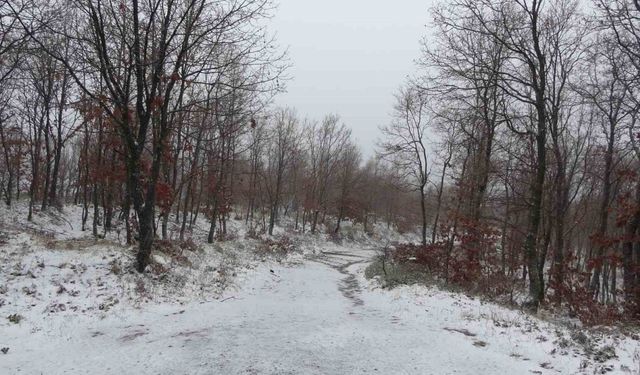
459 330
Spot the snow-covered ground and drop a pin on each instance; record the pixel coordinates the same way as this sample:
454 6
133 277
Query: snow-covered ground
311 314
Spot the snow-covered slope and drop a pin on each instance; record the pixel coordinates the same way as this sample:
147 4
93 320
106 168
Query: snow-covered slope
76 308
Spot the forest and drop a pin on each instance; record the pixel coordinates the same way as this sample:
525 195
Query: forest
512 153
168 123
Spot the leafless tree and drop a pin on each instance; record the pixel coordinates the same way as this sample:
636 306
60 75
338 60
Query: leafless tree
325 144
280 154
405 143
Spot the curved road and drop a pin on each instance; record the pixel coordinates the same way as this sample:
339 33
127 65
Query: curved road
316 318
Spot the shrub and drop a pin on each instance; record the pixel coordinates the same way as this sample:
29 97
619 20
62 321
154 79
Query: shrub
228 236
254 233
280 246
335 237
452 265
15 318
580 303
175 249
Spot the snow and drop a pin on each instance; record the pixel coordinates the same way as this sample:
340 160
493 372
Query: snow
309 314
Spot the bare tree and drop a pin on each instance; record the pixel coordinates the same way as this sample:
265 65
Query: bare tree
326 142
622 18
132 60
348 177
405 143
12 49
280 153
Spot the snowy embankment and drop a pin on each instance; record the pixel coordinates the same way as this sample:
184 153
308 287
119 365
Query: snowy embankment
70 305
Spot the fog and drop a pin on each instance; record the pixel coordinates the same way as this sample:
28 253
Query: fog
349 57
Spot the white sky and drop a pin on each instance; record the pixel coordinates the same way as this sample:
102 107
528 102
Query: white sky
349 57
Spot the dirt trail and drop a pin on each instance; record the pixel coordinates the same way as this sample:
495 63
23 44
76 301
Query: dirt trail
342 261
318 318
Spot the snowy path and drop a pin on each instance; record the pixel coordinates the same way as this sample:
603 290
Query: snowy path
318 318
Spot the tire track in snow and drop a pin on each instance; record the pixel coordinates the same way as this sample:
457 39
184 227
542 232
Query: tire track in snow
349 285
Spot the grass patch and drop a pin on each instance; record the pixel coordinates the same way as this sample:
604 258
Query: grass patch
394 274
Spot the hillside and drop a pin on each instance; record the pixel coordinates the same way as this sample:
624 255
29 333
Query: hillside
71 304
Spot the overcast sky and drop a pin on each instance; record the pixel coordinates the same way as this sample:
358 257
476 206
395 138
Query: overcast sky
349 57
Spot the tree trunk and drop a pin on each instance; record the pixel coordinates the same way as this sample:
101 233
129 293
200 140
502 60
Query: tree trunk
534 263
423 211
629 265
604 211
434 229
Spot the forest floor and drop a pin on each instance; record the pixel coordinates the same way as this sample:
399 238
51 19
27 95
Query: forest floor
70 305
